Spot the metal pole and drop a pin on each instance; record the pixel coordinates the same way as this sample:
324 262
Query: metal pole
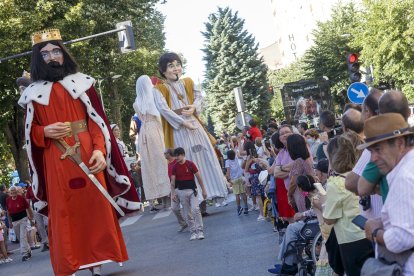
243 119
67 42
100 93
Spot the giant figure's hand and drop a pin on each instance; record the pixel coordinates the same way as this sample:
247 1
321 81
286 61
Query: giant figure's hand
189 125
57 130
188 110
98 161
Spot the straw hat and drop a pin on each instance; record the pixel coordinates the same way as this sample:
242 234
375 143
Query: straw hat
384 127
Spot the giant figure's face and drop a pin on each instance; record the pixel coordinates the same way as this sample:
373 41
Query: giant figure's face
52 53
174 71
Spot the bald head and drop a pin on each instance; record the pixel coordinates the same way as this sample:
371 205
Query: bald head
352 120
394 101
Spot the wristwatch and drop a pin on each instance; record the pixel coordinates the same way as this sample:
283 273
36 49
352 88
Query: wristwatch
375 232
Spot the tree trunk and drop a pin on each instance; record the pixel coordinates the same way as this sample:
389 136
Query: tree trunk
115 104
14 132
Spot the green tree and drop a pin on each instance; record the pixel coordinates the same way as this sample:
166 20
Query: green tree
387 40
232 61
99 57
332 43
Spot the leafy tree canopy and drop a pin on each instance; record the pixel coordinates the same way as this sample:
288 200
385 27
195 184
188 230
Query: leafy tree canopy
232 61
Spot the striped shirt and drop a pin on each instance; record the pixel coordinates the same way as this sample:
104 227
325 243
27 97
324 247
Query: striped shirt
397 213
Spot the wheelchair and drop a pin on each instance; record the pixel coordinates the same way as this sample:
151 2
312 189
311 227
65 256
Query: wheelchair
306 248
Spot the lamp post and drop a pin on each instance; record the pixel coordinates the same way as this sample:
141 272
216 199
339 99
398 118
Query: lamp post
99 81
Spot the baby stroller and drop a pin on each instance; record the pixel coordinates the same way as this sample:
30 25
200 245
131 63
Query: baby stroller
306 247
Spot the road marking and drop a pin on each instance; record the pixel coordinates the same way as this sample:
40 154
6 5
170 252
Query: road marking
130 220
162 214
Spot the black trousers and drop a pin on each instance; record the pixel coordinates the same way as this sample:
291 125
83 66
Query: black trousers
334 256
354 254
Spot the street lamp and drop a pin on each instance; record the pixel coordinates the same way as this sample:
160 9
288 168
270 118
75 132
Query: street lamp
114 77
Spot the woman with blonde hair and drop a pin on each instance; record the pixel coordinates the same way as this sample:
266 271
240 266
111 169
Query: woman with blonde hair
342 206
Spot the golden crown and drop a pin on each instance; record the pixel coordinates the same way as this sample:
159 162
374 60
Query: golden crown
45 35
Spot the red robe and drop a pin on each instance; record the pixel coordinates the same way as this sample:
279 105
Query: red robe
83 226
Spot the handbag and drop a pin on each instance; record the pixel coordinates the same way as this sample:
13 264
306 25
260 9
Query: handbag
387 263
380 266
12 235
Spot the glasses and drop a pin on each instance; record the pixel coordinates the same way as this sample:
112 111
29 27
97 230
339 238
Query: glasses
57 52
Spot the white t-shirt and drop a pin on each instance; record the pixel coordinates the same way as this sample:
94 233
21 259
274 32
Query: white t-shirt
235 169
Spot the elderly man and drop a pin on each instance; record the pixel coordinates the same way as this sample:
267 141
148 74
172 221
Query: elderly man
391 143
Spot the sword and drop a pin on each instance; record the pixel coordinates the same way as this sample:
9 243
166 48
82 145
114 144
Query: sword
73 153
98 185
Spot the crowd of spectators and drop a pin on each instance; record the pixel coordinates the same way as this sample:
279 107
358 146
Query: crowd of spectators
20 223
355 165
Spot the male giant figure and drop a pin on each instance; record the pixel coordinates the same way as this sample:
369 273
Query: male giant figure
179 101
64 115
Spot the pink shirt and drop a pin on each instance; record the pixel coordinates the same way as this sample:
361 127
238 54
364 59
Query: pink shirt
283 158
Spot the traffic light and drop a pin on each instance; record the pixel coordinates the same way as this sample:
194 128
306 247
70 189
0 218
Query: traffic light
126 40
353 68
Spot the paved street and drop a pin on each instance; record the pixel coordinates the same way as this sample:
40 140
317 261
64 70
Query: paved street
233 246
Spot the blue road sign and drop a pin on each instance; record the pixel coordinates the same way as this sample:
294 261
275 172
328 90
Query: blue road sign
357 92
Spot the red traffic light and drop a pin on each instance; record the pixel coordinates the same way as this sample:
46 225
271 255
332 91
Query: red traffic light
352 58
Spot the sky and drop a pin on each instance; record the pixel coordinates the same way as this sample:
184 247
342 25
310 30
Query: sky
185 20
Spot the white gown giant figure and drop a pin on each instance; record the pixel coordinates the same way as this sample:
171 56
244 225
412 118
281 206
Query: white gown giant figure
179 101
154 166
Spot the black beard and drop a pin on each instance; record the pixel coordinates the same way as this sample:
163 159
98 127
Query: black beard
55 71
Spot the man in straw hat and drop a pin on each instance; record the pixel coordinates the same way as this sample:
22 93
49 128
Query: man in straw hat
77 168
391 142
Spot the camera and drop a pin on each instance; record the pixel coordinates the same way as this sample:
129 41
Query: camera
365 202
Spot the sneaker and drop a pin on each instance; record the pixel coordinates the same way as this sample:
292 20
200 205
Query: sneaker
45 247
8 260
284 269
239 210
205 214
274 229
200 236
276 270
224 203
37 246
261 218
217 205
256 208
182 228
154 210
26 257
2 261
252 208
193 236
246 212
